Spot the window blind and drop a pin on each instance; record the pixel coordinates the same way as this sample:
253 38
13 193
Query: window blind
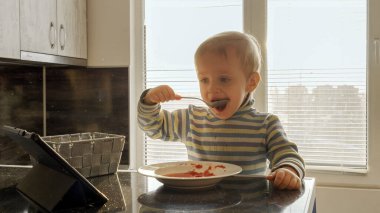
327 121
316 79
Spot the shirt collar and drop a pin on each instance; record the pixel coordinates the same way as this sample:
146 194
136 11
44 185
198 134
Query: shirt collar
246 106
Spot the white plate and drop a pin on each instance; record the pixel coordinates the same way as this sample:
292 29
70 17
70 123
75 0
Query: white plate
263 174
218 169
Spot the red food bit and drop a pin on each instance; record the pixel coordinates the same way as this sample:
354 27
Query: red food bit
193 173
220 166
207 173
198 166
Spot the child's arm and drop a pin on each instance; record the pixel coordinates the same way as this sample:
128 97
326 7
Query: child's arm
287 165
157 123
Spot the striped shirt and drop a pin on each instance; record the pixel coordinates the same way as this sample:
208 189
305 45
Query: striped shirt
248 139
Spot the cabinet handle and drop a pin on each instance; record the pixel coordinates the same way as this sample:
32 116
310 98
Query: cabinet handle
62 37
376 44
52 34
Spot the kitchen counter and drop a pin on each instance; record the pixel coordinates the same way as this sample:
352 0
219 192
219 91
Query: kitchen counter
132 192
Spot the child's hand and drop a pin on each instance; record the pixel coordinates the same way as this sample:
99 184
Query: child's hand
285 178
160 94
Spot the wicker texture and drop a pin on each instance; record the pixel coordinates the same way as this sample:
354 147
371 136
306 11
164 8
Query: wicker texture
91 153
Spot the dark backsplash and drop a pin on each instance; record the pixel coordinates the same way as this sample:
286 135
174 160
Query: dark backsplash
21 106
77 100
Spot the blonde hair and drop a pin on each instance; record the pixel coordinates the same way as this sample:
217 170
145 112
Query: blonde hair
246 46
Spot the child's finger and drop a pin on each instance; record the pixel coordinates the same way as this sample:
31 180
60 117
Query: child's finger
271 176
168 93
280 175
293 184
177 97
154 98
161 97
285 182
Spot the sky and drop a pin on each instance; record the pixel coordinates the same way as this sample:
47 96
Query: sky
304 35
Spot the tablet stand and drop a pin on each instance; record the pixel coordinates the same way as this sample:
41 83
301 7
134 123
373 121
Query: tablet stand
51 189
53 184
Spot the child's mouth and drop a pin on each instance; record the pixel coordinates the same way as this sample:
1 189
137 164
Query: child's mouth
221 106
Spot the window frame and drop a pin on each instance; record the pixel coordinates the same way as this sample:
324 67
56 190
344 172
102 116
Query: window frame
253 23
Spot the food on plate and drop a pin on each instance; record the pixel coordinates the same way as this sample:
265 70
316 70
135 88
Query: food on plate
193 173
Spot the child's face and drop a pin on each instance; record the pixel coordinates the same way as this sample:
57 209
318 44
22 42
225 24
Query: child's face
223 78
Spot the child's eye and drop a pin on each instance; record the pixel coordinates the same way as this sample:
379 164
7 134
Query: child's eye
224 79
203 80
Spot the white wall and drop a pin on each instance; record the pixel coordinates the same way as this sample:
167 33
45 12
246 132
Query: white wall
347 200
108 33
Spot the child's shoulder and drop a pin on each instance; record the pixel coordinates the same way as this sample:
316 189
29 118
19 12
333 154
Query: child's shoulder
263 115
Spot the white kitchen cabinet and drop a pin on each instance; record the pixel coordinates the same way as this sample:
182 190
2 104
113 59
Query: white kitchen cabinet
56 27
38 26
72 30
9 29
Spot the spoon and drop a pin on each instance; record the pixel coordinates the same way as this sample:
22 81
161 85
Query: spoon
212 104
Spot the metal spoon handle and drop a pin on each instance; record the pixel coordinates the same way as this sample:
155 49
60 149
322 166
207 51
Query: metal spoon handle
187 97
210 104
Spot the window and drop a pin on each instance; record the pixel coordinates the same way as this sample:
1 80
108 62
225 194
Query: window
173 30
318 74
316 80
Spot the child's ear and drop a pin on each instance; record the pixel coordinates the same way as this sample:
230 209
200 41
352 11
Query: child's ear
253 81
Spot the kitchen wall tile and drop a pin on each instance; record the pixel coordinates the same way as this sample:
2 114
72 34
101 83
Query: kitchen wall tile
88 100
20 106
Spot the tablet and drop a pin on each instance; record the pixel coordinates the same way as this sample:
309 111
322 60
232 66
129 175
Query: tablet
52 183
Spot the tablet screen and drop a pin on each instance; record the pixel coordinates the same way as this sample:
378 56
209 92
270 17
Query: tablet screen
33 144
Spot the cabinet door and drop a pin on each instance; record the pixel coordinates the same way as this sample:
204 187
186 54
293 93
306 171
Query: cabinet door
9 29
72 32
38 26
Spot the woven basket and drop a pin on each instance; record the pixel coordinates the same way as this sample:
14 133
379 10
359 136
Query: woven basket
91 153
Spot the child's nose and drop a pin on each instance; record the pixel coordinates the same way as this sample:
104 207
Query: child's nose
213 87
